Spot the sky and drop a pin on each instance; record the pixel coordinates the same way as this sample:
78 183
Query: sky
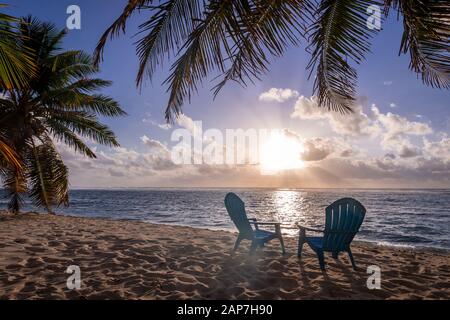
398 136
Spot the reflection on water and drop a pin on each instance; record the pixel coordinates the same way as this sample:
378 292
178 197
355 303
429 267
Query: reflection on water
412 217
290 208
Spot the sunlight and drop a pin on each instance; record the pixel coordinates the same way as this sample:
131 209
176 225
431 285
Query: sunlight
279 153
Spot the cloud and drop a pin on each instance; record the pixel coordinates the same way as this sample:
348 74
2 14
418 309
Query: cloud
392 129
278 95
368 148
438 149
316 149
396 124
164 126
154 144
392 105
353 124
186 122
148 119
387 82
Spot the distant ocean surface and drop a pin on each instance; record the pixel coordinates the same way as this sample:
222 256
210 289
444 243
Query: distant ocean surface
418 218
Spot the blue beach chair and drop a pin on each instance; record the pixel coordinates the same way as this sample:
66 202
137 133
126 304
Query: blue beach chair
236 209
342 221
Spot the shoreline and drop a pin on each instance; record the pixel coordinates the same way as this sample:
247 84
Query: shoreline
232 230
130 259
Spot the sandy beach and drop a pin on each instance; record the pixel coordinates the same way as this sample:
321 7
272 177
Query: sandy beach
135 260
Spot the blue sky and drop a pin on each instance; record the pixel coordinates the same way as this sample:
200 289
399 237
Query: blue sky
384 80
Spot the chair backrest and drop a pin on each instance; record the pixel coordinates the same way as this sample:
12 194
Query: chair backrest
236 209
342 221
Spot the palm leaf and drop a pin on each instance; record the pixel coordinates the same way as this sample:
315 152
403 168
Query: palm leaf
87 125
118 26
167 30
339 34
62 134
47 176
8 156
426 37
204 51
268 27
16 65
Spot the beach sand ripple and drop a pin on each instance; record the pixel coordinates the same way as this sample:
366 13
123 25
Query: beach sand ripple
135 260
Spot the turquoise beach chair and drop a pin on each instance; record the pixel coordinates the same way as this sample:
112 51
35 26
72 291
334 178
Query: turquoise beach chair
342 221
236 209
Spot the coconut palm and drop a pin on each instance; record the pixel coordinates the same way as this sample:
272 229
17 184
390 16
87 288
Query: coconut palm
236 38
58 105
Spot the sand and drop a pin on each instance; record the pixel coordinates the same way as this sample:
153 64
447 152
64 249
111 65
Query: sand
135 260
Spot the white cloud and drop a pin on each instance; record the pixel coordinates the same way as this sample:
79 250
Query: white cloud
396 124
164 126
392 105
387 82
278 95
438 149
352 124
154 144
368 148
186 122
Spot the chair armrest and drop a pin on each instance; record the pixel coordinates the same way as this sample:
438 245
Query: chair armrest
309 229
266 223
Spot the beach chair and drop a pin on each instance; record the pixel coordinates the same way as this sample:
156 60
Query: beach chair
236 209
342 221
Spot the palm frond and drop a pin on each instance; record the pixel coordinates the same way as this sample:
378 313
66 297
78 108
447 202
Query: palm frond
118 26
339 34
16 63
167 30
47 176
87 125
73 100
9 157
426 37
268 27
204 51
62 134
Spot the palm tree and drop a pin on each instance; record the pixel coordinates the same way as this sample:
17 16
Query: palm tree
58 105
236 39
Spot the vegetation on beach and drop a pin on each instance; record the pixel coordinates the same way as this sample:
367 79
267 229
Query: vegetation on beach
238 38
59 104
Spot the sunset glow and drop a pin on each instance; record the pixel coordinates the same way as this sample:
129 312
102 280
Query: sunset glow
280 153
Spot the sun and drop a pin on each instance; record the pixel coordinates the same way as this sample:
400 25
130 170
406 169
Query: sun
279 153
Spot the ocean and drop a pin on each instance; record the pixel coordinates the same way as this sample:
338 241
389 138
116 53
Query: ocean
416 218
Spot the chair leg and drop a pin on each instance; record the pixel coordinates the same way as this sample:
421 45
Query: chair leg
253 246
283 250
301 242
350 255
321 259
236 244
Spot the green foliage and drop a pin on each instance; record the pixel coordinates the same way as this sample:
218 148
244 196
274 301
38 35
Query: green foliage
237 38
58 105
15 65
